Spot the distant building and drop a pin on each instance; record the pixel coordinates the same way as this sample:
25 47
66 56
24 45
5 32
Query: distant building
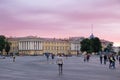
37 46
75 44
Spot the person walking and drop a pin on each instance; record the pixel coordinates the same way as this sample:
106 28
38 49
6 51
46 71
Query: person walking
60 64
112 61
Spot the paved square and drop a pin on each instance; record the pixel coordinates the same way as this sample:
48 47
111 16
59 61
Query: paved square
38 68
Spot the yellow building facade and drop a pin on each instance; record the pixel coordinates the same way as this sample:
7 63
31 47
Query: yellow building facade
56 46
38 46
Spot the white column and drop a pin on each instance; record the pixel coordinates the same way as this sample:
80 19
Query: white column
35 46
19 46
22 45
28 45
32 45
25 44
39 45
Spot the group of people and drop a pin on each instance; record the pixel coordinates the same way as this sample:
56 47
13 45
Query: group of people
109 58
48 55
86 57
103 58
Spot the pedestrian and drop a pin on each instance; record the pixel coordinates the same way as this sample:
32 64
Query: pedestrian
112 61
60 64
105 59
85 57
101 57
13 58
88 57
47 55
52 56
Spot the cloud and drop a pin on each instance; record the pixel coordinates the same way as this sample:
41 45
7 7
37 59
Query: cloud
60 17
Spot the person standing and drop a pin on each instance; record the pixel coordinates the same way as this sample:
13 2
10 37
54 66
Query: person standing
60 64
105 59
101 58
85 57
14 58
52 56
88 57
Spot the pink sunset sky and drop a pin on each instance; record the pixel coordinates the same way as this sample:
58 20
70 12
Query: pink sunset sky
61 18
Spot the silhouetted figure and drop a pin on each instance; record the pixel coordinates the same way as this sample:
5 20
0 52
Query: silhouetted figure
52 56
47 56
101 58
105 59
112 61
88 57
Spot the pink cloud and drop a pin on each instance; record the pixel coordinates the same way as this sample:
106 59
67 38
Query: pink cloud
62 19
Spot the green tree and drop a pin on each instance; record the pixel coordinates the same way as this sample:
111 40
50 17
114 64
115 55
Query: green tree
2 43
91 45
85 45
96 44
109 48
7 47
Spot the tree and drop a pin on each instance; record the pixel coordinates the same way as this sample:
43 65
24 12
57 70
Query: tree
2 43
85 45
91 45
109 48
7 47
96 44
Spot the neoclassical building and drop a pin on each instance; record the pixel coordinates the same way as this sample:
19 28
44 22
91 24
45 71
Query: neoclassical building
37 46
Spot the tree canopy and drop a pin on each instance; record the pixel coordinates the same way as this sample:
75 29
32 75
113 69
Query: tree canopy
91 45
7 47
2 43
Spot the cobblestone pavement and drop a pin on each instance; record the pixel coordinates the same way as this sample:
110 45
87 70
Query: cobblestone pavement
38 68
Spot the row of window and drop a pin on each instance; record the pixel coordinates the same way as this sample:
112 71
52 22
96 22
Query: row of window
55 48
